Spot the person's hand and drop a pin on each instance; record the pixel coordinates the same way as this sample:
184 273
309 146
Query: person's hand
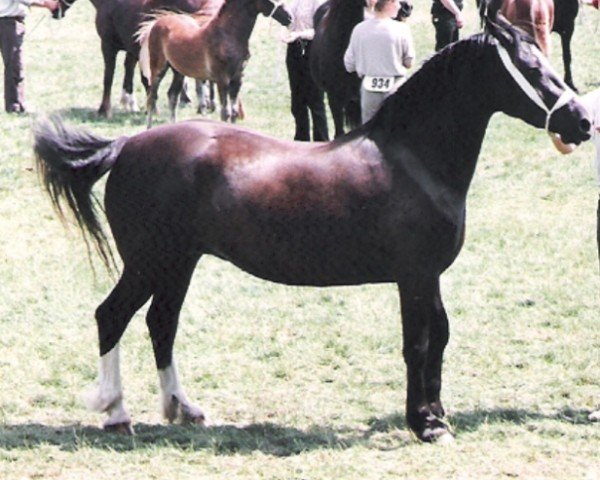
50 4
460 20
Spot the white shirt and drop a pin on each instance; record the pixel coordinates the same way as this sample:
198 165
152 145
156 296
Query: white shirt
302 12
591 102
14 8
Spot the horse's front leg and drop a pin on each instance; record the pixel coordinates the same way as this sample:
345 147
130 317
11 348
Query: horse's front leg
225 101
128 101
234 92
565 40
110 56
421 323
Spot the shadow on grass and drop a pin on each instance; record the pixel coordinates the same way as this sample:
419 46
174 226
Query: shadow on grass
268 438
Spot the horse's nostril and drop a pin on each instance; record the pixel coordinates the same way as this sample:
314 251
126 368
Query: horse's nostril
585 125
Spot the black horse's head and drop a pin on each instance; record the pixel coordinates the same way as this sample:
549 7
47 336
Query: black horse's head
532 90
63 6
406 8
275 9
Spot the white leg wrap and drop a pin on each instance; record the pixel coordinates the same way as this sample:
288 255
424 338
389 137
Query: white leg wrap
108 397
129 102
173 397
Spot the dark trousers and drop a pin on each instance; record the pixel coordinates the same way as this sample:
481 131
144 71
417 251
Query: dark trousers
306 96
446 30
12 32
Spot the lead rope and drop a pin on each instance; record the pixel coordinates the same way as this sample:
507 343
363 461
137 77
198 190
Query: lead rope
561 101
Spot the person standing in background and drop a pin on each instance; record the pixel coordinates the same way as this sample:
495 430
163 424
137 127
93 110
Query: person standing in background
591 101
380 51
12 33
305 95
447 19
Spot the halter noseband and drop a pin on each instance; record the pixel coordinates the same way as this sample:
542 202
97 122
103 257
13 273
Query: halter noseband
527 88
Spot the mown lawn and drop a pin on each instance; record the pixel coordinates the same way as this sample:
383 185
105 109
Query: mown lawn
306 383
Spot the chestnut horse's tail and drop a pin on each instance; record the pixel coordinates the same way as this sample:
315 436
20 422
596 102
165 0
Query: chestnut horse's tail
142 36
70 161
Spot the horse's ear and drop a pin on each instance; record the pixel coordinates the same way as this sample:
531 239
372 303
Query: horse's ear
500 28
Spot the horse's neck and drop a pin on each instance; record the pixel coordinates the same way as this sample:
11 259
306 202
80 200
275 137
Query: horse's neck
441 122
345 17
236 18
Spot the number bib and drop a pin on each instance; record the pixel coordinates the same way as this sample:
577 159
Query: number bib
378 84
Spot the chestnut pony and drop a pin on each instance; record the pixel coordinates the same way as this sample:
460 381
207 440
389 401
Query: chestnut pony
382 204
206 47
116 23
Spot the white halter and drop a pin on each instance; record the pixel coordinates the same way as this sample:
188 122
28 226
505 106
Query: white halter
528 89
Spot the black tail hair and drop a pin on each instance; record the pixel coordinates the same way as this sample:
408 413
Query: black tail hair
70 161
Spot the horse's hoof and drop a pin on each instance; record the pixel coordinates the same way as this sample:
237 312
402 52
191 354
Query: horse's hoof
594 416
123 428
439 435
194 416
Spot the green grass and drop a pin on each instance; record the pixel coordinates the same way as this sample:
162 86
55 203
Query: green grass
306 383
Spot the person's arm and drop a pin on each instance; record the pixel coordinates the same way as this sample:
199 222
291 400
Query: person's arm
454 10
409 50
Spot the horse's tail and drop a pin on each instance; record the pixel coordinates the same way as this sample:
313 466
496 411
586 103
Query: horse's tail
70 161
142 36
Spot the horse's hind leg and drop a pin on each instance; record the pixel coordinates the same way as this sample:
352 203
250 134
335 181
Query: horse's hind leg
234 92
162 320
127 98
422 324
174 92
153 94
112 318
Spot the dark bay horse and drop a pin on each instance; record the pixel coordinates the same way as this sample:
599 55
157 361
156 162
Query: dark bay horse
384 203
206 48
334 21
524 14
116 24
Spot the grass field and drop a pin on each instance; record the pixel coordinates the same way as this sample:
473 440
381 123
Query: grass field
306 383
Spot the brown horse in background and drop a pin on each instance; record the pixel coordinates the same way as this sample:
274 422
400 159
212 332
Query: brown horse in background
536 17
116 24
205 47
524 13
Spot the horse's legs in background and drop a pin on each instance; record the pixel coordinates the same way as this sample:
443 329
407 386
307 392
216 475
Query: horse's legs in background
205 92
127 97
109 53
162 320
422 322
153 95
225 101
234 91
565 40
337 112
112 317
174 92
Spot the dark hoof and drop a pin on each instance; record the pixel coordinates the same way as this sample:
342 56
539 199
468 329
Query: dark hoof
123 428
